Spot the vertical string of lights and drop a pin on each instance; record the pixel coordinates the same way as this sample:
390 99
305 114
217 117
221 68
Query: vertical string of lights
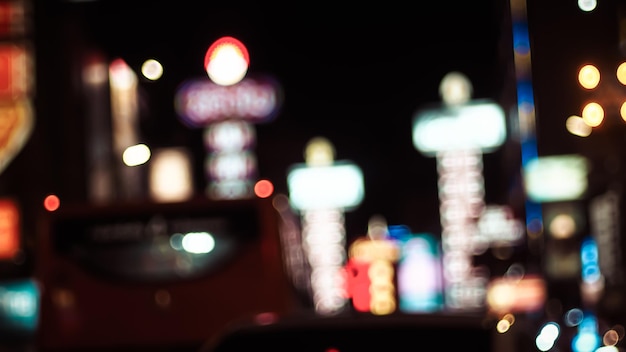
526 112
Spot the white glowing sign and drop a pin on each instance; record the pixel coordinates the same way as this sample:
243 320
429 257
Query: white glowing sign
202 102
170 176
556 178
479 124
339 186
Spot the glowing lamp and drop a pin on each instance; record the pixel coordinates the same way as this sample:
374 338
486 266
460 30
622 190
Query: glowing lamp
226 61
479 124
556 178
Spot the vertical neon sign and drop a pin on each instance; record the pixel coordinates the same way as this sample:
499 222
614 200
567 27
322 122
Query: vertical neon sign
457 134
226 105
322 189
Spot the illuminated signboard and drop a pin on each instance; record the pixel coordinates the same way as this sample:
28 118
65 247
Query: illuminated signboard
322 189
457 133
9 229
336 186
556 178
478 124
372 275
16 125
201 102
170 176
419 280
19 307
226 109
14 67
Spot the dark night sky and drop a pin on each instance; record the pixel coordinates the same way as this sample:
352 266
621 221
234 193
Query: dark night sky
353 75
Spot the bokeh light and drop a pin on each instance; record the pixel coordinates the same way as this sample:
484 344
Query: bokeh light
573 317
198 242
503 326
136 155
226 61
589 76
263 188
621 73
577 126
152 69
593 114
547 336
51 202
562 226
587 5
611 338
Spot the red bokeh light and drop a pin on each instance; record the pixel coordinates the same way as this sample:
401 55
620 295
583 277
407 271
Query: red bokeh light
51 203
226 41
263 188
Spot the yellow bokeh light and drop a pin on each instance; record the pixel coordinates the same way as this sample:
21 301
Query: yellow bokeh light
593 114
152 69
621 73
510 318
589 76
319 151
562 226
503 326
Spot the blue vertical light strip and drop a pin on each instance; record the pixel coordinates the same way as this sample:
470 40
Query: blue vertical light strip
525 103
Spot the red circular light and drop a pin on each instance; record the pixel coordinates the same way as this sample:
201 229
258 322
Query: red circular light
228 41
51 203
263 188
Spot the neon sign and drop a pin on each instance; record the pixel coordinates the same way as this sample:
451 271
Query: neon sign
371 272
322 189
457 133
201 102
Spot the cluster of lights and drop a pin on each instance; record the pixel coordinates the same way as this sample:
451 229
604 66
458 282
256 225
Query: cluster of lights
223 105
593 112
